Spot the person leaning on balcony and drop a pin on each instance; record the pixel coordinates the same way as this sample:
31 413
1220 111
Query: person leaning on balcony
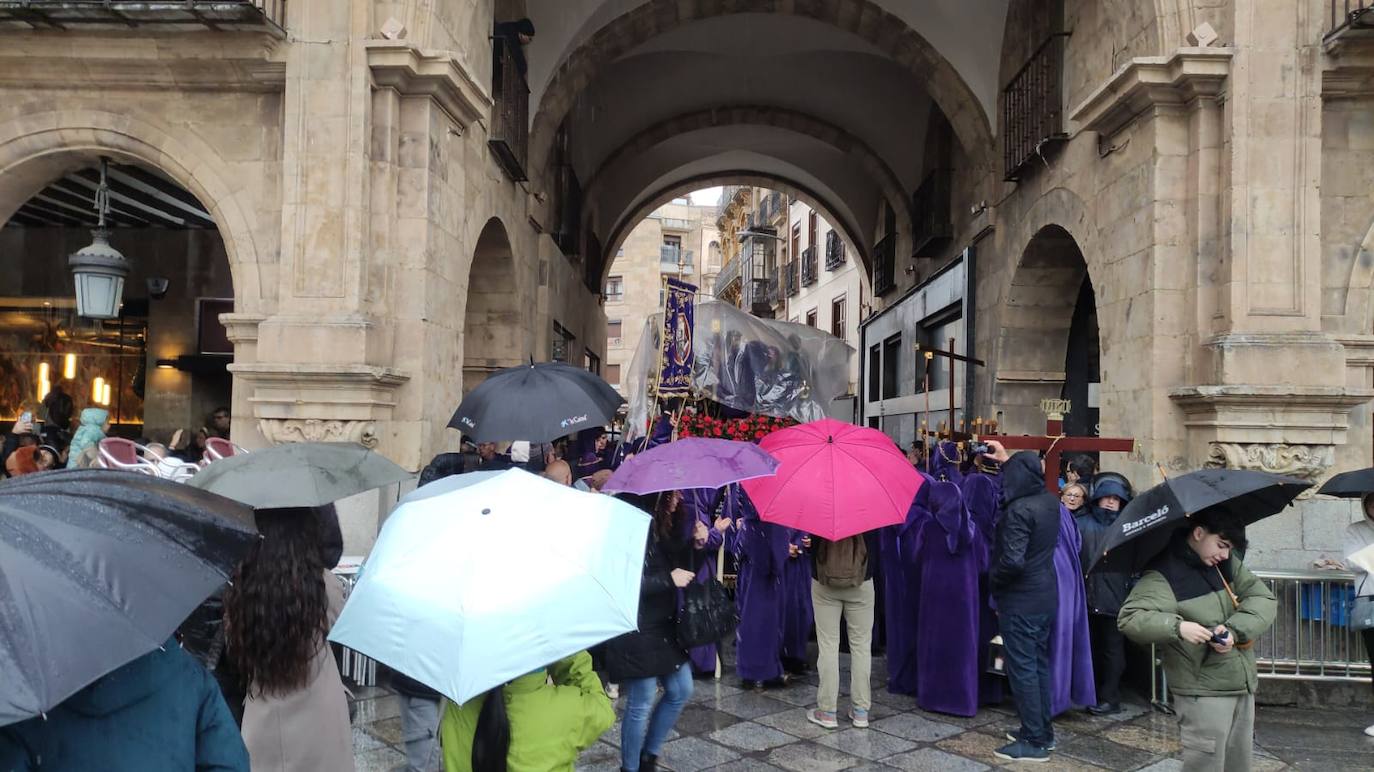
1205 610
515 35
1359 558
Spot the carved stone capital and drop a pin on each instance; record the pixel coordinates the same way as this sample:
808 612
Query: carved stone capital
1308 462
1152 81
279 431
439 75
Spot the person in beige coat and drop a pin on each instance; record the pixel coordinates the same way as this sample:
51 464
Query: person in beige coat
277 613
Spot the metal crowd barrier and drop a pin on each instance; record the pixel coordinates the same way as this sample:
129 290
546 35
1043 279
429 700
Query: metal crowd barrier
355 665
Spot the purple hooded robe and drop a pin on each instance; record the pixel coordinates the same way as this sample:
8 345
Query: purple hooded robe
949 559
698 502
1071 656
797 614
982 497
901 590
761 550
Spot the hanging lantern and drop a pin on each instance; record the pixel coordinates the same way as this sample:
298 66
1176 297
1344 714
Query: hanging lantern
97 389
99 269
69 366
105 395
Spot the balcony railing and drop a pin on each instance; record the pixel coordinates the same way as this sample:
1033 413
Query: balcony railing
884 264
810 266
1349 16
1032 107
729 274
768 292
510 125
215 14
834 251
674 224
930 204
791 280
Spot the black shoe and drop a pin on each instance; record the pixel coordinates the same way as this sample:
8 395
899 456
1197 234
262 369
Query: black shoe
1020 751
648 763
1105 709
703 675
1016 738
796 666
751 686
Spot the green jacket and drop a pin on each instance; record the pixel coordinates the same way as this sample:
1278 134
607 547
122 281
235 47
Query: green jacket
1178 587
550 724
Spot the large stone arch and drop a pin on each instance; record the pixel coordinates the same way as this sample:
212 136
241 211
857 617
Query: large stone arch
494 323
863 18
654 199
35 149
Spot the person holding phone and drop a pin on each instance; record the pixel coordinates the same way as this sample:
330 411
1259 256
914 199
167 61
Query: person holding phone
1204 610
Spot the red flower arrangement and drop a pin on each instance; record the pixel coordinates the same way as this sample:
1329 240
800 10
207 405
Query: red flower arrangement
748 429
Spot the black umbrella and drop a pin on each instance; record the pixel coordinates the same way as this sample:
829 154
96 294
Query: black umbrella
1144 527
97 568
536 402
1350 485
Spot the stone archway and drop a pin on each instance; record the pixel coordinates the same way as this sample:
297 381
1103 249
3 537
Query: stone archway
1048 342
493 323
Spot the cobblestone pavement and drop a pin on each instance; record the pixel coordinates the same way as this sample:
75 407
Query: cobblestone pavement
727 728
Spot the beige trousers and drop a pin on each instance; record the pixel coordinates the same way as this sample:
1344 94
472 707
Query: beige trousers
855 604
1218 733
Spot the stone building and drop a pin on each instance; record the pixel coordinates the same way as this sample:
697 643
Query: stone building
405 204
827 289
679 240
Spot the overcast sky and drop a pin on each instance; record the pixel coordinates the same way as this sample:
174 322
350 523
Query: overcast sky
706 196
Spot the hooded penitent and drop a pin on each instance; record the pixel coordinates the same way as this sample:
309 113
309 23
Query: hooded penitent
949 560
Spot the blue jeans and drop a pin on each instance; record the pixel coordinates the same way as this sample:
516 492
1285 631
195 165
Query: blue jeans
646 725
1026 647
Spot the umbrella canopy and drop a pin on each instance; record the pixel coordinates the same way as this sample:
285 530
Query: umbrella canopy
834 480
1350 485
299 474
466 590
1144 527
97 568
448 484
536 402
694 462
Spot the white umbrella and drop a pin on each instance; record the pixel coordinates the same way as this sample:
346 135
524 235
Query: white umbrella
468 589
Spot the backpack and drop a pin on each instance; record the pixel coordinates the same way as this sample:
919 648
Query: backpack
842 563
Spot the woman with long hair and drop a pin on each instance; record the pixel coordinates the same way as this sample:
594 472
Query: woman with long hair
643 660
277 611
538 722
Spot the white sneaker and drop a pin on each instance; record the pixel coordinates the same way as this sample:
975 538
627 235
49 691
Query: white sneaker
613 691
1369 730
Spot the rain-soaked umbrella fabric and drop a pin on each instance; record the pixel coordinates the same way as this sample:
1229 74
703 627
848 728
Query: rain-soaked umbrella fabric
98 568
1144 527
299 474
467 590
694 462
1350 485
448 484
536 402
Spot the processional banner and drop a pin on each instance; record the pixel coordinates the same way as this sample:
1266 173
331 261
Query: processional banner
679 313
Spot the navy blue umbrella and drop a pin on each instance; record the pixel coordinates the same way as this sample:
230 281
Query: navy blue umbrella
98 568
1350 485
536 402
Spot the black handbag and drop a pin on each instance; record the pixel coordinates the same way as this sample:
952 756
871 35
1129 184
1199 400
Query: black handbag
708 615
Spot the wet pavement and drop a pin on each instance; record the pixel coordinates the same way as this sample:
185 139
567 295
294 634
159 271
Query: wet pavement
727 728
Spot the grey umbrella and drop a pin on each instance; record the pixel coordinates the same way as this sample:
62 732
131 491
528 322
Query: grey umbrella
299 474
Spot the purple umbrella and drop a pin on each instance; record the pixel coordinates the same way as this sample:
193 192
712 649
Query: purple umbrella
694 462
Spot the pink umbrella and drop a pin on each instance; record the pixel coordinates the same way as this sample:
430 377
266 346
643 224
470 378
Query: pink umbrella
834 480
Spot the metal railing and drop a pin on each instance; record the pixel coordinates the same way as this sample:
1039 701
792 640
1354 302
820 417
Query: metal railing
1311 639
1349 14
884 265
932 228
791 280
215 14
810 266
729 274
1032 106
834 251
510 124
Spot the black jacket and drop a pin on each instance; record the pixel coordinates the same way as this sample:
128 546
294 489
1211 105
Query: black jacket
653 649
1022 577
1106 590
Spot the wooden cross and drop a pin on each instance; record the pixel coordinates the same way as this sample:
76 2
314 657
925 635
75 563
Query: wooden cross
1055 443
929 354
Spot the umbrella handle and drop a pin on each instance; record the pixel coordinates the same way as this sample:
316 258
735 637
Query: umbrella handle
1162 473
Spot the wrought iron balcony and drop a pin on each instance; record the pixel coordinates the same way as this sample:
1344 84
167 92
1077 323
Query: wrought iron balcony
791 279
214 14
834 251
884 259
1350 20
931 202
810 266
729 274
510 125
1032 108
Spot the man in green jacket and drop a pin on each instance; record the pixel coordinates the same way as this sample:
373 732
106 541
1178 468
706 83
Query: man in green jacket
1205 610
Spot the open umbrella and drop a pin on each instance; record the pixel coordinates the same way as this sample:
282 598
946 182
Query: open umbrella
834 480
97 568
1144 527
299 474
536 402
466 590
1350 485
694 462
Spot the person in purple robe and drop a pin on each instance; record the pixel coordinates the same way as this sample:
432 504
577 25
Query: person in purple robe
944 462
707 532
593 454
982 497
1071 656
901 586
949 559
761 550
797 614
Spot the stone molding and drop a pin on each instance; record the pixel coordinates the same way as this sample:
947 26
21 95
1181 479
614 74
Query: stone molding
435 74
1308 462
241 328
1359 349
1150 81
294 392
281 431
1270 414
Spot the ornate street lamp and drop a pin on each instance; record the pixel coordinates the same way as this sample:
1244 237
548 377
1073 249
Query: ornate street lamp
99 269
